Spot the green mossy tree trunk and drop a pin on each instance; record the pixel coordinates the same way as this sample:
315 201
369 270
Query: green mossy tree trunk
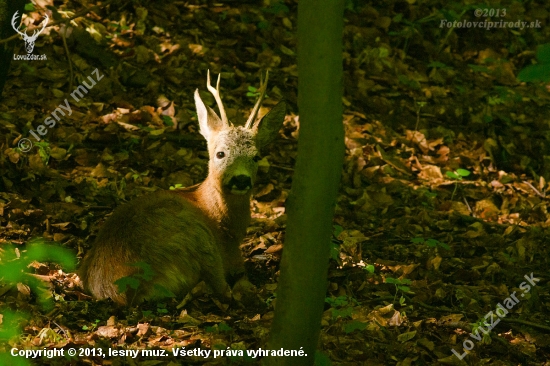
310 206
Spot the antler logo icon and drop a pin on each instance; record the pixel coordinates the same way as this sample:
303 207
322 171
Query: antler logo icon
29 41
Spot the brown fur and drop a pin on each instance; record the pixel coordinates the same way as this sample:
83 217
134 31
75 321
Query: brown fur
185 235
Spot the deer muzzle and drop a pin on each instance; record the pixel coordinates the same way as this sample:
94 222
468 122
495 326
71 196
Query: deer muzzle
240 184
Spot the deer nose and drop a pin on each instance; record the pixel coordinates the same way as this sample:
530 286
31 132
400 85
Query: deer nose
241 182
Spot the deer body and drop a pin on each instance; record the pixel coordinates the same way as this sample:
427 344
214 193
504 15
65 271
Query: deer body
186 235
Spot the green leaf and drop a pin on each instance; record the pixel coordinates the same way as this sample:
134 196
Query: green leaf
14 272
146 273
369 268
536 73
39 251
10 326
125 282
543 53
432 242
162 291
397 18
334 250
276 8
29 7
223 327
7 359
417 240
354 325
438 65
287 51
477 68
463 172
263 24
342 313
452 175
168 121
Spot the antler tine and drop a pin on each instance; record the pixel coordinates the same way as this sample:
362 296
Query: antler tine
254 114
45 22
216 93
14 22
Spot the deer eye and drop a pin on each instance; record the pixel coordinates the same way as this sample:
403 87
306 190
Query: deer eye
220 154
256 158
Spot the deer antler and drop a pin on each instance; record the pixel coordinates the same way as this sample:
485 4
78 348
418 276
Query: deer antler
44 24
13 24
216 93
36 31
254 114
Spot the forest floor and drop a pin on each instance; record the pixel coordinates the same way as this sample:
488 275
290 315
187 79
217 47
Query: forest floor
441 229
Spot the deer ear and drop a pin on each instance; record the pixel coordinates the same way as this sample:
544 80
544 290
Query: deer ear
269 126
209 121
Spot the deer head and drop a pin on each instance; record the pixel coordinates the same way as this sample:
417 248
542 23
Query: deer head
29 41
234 150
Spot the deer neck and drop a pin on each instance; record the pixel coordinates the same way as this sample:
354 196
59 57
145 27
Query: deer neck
231 212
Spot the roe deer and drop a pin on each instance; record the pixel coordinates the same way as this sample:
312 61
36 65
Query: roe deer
191 234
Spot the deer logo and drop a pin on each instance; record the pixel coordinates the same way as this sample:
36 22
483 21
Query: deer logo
29 41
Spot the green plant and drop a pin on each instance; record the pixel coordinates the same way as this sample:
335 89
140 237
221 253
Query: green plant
400 285
540 71
14 269
434 243
481 325
144 274
43 151
430 199
161 309
342 306
457 176
168 121
92 327
369 268
254 92
276 8
222 327
270 299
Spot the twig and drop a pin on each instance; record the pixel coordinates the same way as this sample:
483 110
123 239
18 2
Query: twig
282 167
64 37
63 330
525 322
467 204
534 189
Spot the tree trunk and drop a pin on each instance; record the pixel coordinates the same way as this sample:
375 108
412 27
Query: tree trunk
310 206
